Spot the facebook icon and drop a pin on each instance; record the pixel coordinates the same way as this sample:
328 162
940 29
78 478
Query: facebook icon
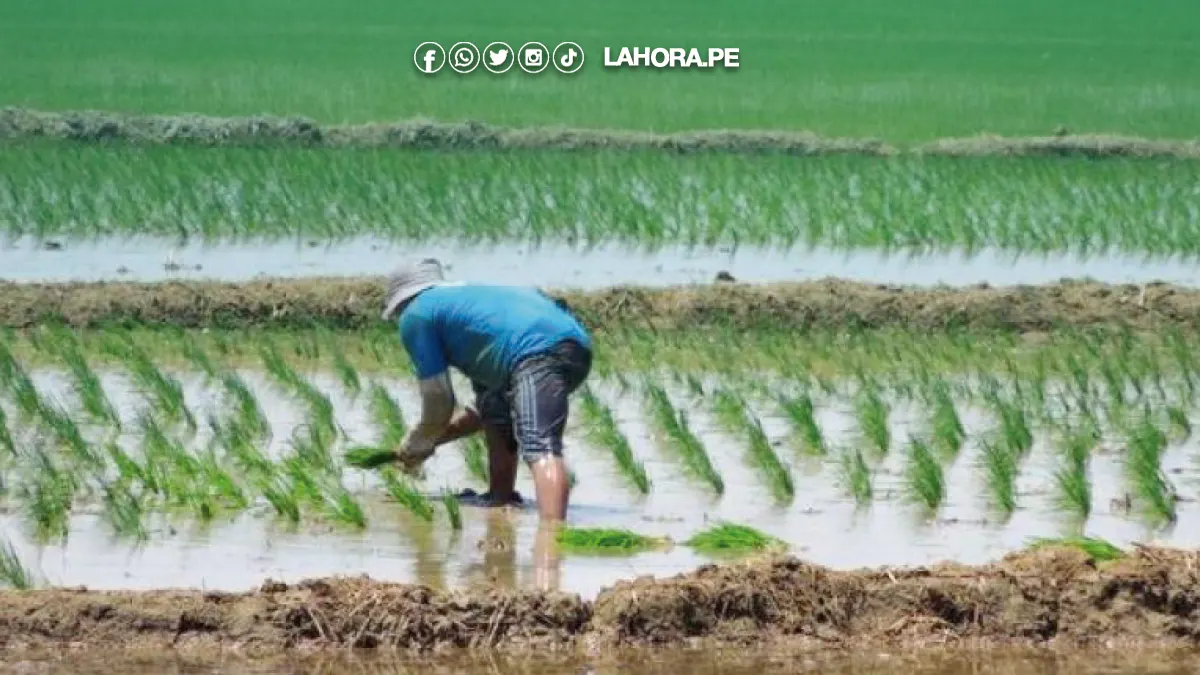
429 57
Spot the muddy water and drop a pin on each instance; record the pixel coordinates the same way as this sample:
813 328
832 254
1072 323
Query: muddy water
822 523
562 266
700 662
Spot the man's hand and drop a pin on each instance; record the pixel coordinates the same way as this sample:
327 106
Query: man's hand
413 453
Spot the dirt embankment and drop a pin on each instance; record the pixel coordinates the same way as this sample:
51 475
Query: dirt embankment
89 126
346 303
1051 597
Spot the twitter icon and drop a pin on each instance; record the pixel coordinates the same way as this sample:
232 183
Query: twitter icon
498 57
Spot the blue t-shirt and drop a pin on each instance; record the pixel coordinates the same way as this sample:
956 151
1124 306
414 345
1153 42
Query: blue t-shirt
483 330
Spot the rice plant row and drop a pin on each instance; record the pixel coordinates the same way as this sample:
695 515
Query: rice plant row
603 431
735 415
673 425
1043 205
63 454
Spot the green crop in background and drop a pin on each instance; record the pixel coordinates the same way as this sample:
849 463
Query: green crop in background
644 198
897 70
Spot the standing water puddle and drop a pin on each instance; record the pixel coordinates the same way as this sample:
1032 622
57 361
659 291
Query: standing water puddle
563 266
927 661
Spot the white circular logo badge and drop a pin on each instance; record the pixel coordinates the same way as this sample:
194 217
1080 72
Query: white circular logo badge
429 57
498 57
568 57
533 57
464 57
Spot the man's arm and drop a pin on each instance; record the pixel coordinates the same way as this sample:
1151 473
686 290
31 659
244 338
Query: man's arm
465 423
420 339
437 408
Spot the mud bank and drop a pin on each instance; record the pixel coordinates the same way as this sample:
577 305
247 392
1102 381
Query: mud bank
98 126
1046 598
347 303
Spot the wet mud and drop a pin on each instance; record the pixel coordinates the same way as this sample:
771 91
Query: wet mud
1051 597
100 127
347 303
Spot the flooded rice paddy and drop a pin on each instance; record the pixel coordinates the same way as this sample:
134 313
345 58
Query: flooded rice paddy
821 522
563 266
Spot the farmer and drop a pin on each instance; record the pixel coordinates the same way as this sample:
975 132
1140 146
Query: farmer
524 355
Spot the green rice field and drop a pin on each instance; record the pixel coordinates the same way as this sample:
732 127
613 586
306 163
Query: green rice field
644 199
175 412
898 71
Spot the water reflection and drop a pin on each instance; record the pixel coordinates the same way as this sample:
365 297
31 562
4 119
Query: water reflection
496 561
547 564
771 661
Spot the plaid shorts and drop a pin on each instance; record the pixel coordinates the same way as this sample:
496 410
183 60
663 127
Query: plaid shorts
531 409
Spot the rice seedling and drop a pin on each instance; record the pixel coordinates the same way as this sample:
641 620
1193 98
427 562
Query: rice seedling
220 483
1144 461
279 495
1181 426
800 413
735 415
674 426
406 496
453 509
46 494
13 572
599 540
1014 426
321 415
247 411
946 427
369 457
304 485
311 447
320 408
8 366
278 368
856 476
164 392
6 440
1074 488
475 454
341 507
123 511
1000 466
1098 550
387 417
241 446
872 413
602 430
346 372
730 537
87 387
29 400
925 482
162 457
70 437
195 354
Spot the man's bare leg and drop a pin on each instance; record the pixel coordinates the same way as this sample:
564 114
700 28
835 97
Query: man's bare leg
502 466
553 487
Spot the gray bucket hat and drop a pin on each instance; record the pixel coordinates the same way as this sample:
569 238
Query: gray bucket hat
407 281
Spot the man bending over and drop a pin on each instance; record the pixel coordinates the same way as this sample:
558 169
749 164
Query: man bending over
524 356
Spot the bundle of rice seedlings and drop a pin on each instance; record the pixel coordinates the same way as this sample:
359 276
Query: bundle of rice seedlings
730 537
